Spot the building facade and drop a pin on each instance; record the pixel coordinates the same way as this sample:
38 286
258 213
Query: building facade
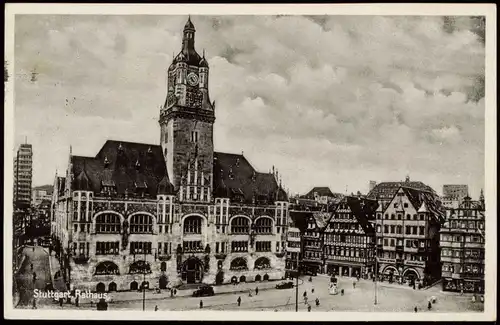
173 213
407 237
349 238
462 247
313 240
293 248
23 175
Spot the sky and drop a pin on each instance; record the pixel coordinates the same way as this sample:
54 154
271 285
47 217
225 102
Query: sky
328 100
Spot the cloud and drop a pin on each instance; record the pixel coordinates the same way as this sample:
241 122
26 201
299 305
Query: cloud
328 100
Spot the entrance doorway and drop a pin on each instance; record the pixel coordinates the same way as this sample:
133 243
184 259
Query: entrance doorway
101 287
192 270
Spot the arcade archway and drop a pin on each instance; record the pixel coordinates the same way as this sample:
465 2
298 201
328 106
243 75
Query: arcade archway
192 270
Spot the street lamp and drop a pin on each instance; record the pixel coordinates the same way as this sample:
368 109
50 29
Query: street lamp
144 277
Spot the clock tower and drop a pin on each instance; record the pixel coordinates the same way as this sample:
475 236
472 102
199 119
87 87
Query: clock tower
186 121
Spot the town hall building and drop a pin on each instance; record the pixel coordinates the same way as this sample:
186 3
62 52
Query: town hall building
138 214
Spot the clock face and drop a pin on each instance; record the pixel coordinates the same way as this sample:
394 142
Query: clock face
192 79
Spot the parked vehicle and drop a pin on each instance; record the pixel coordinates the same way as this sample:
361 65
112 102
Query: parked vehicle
284 285
205 290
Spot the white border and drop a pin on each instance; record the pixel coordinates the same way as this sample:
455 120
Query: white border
488 10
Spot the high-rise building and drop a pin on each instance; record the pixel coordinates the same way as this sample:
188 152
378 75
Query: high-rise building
462 247
23 175
177 212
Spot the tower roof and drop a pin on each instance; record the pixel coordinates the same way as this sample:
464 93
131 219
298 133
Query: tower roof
189 25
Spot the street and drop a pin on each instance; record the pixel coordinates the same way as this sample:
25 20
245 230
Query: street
40 260
391 298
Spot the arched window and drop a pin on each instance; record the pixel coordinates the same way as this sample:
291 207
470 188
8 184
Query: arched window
192 225
140 267
107 268
107 223
240 225
238 263
141 224
264 226
262 263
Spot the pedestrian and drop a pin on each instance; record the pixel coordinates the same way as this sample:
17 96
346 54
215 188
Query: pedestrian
429 305
33 247
201 304
61 300
317 301
34 276
305 300
312 289
171 292
256 291
308 308
175 292
34 303
416 309
354 285
239 301
473 298
342 292
305 294
481 298
91 303
77 301
31 266
156 307
461 292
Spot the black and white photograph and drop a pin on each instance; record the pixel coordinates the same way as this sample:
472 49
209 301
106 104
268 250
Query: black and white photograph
280 162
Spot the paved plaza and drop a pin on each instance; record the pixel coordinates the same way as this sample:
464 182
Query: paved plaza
389 298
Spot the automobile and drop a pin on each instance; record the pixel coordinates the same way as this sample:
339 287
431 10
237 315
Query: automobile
205 290
284 285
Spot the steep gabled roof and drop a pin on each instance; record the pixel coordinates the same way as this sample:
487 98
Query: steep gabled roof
233 176
123 165
389 189
428 199
363 209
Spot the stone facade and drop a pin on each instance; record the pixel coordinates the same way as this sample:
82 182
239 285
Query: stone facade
172 213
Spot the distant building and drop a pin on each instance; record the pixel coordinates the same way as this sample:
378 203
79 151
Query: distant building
371 186
453 195
40 193
385 191
349 238
293 246
407 237
462 247
322 195
457 191
23 175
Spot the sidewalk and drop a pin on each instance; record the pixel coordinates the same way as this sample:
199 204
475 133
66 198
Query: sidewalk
54 266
